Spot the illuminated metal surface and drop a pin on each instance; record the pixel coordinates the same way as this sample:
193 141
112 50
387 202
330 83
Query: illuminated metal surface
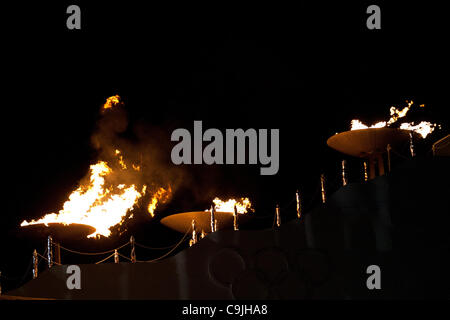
50 251
344 174
59 231
194 234
35 264
299 206
366 142
133 251
366 175
277 212
388 149
116 256
213 220
322 187
411 145
235 219
181 222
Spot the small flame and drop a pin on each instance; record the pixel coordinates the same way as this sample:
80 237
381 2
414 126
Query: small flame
94 204
357 125
397 114
243 205
111 102
424 128
162 195
121 161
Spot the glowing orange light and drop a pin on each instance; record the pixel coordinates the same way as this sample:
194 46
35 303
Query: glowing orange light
111 102
243 205
161 195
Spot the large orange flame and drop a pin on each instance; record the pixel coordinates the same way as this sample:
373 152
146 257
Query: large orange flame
101 206
94 204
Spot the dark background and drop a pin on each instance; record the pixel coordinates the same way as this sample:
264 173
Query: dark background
307 69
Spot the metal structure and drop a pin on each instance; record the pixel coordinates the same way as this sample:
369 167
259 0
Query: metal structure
344 173
133 251
213 219
369 144
411 145
181 222
116 256
299 205
366 174
50 251
322 188
277 213
35 264
194 234
235 219
388 149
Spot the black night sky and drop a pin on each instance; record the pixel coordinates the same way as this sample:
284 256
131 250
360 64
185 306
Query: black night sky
307 69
